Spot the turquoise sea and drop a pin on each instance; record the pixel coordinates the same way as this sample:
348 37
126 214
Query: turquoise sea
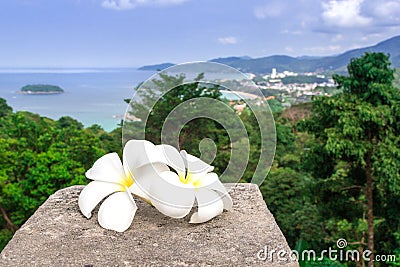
92 96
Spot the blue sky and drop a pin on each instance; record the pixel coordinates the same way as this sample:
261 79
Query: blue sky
130 33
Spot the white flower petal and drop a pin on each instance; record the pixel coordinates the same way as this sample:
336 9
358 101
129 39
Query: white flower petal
171 197
227 201
108 168
173 158
117 212
209 179
138 153
195 165
212 182
210 205
144 177
93 193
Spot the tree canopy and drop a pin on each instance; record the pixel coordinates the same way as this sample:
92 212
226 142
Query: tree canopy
358 141
39 156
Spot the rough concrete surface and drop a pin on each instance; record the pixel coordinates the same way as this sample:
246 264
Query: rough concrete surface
59 235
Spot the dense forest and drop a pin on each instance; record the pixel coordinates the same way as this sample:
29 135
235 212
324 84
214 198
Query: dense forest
336 171
38 156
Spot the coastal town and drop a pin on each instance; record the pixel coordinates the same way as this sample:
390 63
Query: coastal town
292 88
280 89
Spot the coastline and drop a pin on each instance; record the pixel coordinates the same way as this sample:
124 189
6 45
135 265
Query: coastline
40 93
89 97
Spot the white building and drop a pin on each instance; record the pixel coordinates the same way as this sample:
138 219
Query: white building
273 73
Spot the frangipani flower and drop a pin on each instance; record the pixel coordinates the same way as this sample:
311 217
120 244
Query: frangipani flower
146 174
112 179
174 193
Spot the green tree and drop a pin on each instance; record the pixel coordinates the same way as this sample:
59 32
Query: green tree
167 110
289 196
358 137
39 156
4 108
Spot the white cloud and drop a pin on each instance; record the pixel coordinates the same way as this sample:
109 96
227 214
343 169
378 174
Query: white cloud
324 49
295 32
385 13
344 13
130 4
272 10
389 9
371 36
338 37
289 49
118 5
228 40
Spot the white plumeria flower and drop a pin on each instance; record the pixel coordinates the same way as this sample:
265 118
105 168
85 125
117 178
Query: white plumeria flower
113 179
174 193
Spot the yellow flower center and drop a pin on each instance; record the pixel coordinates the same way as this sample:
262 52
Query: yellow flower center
190 179
127 181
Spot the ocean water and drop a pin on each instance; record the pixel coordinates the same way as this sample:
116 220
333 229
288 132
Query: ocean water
92 96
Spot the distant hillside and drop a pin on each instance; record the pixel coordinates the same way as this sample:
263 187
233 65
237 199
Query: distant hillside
311 64
229 60
157 66
336 63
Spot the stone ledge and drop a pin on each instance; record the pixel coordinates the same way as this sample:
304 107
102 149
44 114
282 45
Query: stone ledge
59 235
